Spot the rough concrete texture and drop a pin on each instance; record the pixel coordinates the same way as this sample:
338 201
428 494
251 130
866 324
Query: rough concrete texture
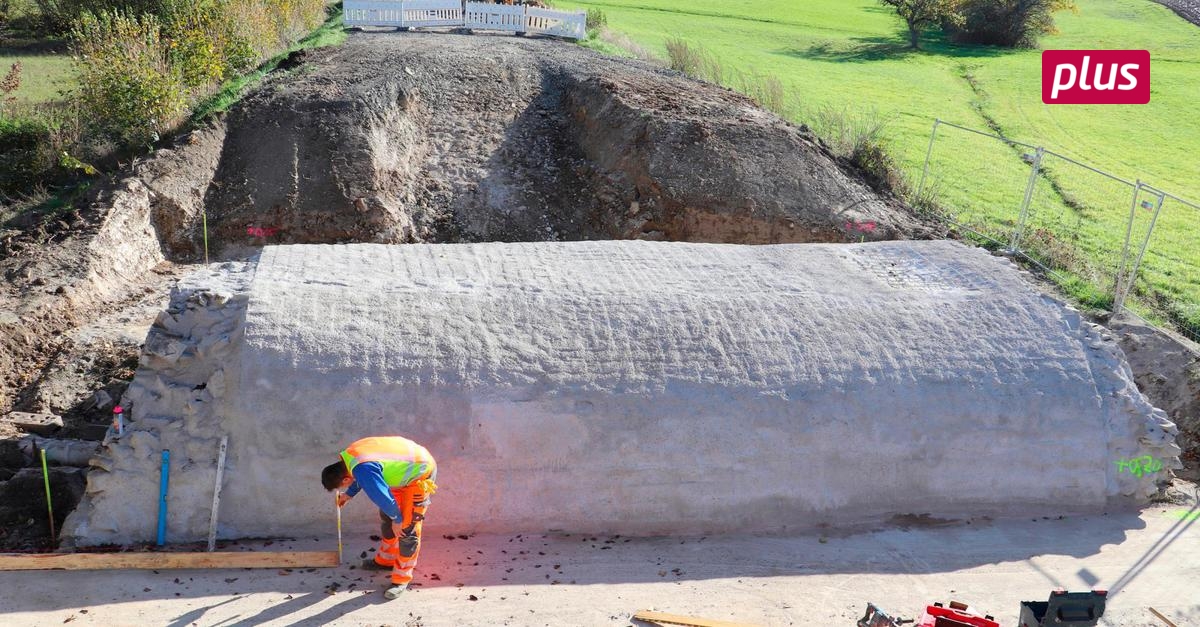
1167 371
534 580
629 387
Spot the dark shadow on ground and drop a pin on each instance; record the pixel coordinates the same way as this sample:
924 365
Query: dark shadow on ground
877 48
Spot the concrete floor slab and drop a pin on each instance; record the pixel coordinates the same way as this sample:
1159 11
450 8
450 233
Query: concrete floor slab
1145 560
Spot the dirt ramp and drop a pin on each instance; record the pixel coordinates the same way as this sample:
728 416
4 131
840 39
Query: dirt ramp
438 137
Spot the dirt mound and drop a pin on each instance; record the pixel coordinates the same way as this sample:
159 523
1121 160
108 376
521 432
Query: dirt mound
439 137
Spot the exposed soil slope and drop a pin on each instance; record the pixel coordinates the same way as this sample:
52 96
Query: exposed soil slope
441 137
1167 371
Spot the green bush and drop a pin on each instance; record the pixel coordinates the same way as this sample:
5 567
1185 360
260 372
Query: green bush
61 16
128 85
596 19
140 65
26 153
1010 23
140 71
859 137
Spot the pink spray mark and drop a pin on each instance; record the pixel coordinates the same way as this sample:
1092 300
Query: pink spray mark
258 231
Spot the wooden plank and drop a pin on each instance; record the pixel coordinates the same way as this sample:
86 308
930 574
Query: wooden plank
220 559
676 619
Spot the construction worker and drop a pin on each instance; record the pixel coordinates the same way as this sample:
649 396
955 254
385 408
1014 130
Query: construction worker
398 476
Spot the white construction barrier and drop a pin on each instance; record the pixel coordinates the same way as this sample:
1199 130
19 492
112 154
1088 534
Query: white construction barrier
549 22
489 16
476 15
407 14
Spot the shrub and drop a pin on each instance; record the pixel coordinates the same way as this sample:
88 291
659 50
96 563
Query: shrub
61 16
921 14
765 91
128 85
694 61
26 153
139 71
596 20
10 83
683 57
859 137
1011 23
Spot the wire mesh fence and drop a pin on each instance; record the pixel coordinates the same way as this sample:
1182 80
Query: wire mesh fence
1110 243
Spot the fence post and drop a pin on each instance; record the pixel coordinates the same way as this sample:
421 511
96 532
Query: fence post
928 154
1119 285
1035 167
1119 304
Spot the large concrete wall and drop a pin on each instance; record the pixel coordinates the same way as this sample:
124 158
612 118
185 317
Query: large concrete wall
628 387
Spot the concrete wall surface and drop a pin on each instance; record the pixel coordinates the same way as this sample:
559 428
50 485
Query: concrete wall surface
627 387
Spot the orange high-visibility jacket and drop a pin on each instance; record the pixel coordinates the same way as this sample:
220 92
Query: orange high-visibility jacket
403 460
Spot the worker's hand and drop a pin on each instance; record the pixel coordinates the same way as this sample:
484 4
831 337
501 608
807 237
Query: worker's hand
342 499
398 528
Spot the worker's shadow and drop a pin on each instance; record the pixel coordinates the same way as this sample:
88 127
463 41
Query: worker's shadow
326 617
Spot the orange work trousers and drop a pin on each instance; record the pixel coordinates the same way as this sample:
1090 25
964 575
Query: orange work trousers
401 552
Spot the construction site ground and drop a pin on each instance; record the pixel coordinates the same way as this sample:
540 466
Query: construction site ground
484 109
1145 560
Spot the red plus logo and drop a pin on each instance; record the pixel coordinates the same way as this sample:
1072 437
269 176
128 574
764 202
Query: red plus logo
1095 76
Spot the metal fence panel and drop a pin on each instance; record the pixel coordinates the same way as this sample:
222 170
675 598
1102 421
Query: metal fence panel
978 181
1110 242
1164 288
1075 228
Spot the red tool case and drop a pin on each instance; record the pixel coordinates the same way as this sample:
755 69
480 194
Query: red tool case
936 616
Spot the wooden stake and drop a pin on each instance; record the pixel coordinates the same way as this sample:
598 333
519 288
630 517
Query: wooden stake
676 619
338 508
1164 618
49 505
204 220
222 559
212 520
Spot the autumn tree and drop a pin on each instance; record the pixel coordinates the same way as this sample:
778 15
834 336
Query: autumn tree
921 14
1010 23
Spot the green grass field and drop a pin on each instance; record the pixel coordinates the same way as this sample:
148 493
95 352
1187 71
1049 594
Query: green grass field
45 64
43 75
852 54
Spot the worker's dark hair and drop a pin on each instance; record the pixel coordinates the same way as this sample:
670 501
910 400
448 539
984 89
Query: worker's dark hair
333 474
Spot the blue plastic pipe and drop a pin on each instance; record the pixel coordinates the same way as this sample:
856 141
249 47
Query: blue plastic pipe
162 498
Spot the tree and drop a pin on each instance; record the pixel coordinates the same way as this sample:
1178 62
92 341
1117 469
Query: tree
1008 23
921 14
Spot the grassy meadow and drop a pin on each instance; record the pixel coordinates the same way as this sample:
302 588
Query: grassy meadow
852 55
